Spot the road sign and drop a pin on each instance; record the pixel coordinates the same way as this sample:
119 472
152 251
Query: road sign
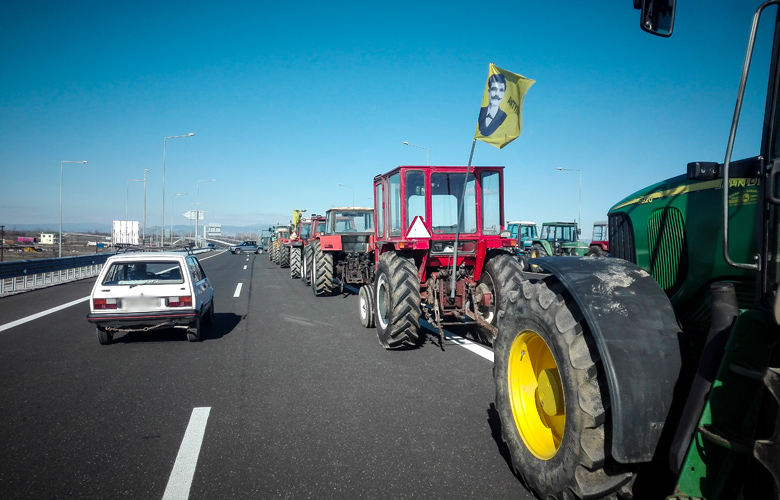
191 214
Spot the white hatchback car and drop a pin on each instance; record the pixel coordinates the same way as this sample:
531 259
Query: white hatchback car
149 290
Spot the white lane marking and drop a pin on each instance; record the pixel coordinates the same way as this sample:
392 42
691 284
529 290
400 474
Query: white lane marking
471 346
244 268
238 290
184 467
463 342
42 314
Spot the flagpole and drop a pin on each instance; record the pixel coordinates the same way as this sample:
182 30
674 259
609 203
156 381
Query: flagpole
460 214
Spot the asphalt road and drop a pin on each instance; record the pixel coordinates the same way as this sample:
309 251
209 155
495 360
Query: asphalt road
293 398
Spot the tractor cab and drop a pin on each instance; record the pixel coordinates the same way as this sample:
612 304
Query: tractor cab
426 218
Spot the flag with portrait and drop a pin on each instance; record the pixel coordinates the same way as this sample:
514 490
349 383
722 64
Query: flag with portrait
500 116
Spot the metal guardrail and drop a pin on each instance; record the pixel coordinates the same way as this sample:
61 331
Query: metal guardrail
24 275
30 274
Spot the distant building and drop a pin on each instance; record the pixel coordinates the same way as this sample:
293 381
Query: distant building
49 239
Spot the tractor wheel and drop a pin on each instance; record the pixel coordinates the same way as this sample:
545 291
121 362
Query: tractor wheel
295 263
272 254
597 251
523 261
366 303
537 250
501 274
551 399
321 271
284 257
307 264
397 302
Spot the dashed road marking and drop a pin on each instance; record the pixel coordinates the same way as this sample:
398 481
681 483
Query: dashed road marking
180 481
238 290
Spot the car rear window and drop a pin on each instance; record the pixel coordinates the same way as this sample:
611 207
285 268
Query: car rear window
144 273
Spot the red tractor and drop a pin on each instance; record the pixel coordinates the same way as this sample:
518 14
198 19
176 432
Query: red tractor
316 228
426 217
344 251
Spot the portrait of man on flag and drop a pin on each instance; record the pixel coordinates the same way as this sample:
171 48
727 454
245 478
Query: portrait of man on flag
500 117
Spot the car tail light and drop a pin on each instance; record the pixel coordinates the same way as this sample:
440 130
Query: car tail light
512 242
185 301
104 303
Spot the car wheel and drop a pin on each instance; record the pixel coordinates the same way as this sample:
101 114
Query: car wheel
104 337
237 251
193 333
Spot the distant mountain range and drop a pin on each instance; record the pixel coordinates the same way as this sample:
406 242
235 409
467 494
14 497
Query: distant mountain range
68 227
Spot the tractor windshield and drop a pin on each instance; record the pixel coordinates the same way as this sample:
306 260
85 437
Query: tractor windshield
350 221
558 233
305 230
446 193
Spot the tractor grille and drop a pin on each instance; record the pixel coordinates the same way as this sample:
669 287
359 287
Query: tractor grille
621 237
668 248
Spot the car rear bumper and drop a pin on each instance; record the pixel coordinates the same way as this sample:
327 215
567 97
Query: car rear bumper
140 320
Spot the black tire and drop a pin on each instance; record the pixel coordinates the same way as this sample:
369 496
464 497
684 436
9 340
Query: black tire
597 251
295 262
366 305
193 332
307 264
209 318
104 337
501 274
397 302
284 257
321 271
237 251
551 399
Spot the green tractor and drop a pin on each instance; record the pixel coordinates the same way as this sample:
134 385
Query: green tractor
556 239
614 375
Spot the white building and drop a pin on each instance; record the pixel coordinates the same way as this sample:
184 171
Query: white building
49 239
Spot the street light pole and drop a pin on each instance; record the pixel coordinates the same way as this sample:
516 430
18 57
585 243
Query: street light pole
162 223
144 233
172 211
60 238
353 192
197 211
579 209
427 152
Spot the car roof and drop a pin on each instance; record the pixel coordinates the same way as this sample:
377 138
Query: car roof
139 256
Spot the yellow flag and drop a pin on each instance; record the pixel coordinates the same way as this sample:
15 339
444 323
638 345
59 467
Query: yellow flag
500 117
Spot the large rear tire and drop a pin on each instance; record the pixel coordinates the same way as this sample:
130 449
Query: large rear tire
321 271
597 251
501 274
397 302
307 265
284 256
552 399
366 304
537 250
295 262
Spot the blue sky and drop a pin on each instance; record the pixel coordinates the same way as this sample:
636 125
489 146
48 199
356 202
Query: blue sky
289 100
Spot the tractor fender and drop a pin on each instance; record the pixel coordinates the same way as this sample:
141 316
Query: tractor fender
637 336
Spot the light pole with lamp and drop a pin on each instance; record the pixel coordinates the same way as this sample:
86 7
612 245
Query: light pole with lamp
353 192
162 223
197 215
579 205
172 211
60 238
144 233
427 152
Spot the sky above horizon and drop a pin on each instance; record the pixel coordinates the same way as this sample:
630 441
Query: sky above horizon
300 105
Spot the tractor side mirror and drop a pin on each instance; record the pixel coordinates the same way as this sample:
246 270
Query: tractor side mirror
657 17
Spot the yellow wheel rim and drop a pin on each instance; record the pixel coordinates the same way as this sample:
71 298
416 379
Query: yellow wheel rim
536 395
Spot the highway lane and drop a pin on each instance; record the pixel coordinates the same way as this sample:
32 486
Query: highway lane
303 401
